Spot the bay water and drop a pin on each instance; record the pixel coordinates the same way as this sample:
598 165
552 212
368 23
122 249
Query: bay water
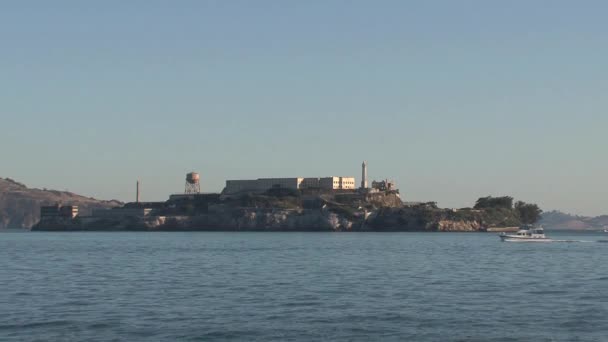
232 286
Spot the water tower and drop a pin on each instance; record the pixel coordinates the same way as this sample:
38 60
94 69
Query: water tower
193 183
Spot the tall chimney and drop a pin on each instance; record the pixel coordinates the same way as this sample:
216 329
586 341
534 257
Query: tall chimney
137 192
364 175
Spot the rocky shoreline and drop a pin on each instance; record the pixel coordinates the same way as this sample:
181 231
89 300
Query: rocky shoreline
272 219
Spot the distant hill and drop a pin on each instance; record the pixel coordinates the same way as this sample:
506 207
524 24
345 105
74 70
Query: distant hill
20 205
559 220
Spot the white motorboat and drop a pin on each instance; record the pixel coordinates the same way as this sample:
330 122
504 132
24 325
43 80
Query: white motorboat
527 233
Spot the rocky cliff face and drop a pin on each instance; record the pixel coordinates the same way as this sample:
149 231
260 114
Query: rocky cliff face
260 219
458 226
226 219
20 205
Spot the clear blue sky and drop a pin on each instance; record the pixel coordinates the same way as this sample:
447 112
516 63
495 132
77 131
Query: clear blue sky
453 99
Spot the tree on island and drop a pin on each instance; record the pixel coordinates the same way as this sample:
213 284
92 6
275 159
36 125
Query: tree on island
520 213
494 202
528 212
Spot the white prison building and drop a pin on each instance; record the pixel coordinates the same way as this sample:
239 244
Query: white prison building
296 183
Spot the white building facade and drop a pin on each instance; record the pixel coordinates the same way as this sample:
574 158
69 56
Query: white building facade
296 183
121 212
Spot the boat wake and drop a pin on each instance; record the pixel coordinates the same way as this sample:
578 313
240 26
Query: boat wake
581 241
554 240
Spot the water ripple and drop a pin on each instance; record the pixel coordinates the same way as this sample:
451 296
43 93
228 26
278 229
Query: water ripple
299 287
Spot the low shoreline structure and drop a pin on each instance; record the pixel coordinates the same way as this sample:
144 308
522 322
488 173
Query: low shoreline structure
503 229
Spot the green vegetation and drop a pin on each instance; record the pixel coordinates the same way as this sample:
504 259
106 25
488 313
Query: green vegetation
529 213
494 202
497 207
488 212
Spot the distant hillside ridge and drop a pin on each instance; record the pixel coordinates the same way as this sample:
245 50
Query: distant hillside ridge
20 205
560 220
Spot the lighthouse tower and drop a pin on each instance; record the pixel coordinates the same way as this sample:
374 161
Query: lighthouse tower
364 175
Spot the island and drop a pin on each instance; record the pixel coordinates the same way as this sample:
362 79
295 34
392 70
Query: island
292 204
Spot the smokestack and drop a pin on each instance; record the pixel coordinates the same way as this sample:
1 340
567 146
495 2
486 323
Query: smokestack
137 192
364 175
